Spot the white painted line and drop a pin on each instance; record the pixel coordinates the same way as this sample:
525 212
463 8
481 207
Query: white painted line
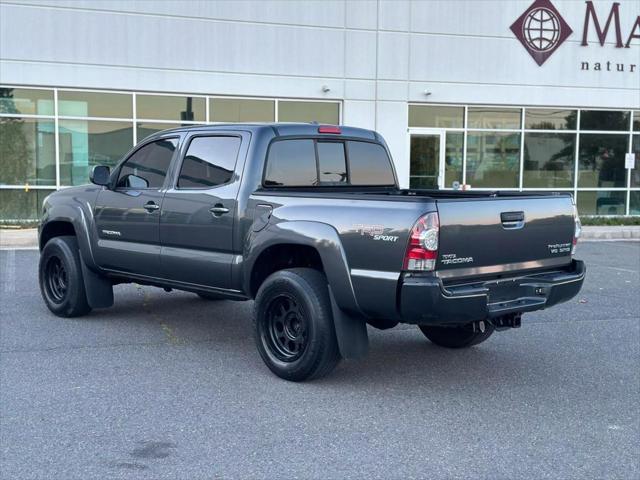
8 277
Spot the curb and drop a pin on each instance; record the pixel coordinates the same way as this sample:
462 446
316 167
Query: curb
27 239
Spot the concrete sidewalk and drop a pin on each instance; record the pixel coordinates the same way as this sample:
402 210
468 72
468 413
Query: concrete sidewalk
28 238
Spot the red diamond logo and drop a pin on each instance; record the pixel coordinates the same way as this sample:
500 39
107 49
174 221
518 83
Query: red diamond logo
541 30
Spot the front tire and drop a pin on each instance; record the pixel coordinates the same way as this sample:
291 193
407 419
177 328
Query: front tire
293 325
461 336
60 276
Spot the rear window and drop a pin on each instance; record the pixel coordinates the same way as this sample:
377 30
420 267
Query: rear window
310 162
369 164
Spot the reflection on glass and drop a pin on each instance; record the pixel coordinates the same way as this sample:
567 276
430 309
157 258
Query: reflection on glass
85 143
369 164
602 203
144 129
321 112
550 119
27 151
489 117
209 162
291 163
241 110
436 116
17 205
331 162
549 160
493 159
601 160
635 173
636 121
608 120
94 104
634 203
164 107
453 159
27 101
425 161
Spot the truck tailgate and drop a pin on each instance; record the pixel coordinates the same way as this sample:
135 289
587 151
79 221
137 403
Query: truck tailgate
500 234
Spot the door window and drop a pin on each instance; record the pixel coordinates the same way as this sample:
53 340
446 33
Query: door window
425 161
209 162
147 167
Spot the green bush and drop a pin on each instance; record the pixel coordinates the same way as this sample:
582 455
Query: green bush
612 221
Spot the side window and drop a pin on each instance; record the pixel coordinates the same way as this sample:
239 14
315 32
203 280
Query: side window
148 166
369 164
332 165
291 163
209 162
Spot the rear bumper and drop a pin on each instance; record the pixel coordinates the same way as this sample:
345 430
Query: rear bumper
426 300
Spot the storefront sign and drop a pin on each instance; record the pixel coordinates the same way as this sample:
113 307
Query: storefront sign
542 30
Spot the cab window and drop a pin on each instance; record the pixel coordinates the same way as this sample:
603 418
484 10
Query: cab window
209 162
147 167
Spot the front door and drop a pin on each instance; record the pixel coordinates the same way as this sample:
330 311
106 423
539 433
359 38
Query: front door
198 212
128 214
426 159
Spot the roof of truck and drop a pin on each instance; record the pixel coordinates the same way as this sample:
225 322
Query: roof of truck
278 128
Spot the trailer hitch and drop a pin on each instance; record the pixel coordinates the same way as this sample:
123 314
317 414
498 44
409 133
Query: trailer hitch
504 322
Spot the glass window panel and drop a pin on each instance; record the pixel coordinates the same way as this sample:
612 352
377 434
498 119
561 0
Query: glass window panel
436 116
163 107
493 159
241 110
85 143
608 120
602 203
550 119
148 165
453 155
636 121
27 151
144 129
209 162
331 162
602 160
634 202
17 206
549 160
321 112
26 101
424 161
635 173
369 164
488 117
291 163
94 104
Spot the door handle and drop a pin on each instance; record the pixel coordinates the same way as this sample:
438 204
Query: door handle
151 207
218 210
512 220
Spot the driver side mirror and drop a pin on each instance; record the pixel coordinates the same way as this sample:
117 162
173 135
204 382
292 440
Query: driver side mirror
100 175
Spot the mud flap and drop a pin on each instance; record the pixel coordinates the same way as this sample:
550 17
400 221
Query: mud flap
98 288
351 332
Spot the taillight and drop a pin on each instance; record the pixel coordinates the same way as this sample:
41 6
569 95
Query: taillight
577 230
422 251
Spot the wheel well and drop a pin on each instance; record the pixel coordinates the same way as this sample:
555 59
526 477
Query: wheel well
280 257
55 229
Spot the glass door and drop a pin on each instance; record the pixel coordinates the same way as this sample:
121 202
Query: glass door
426 159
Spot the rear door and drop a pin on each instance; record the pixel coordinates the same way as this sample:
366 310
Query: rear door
494 235
198 212
128 216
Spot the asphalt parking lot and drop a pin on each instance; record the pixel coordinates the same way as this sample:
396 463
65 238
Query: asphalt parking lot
165 385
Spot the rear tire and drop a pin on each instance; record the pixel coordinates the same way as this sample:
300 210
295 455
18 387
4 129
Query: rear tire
461 336
293 325
60 276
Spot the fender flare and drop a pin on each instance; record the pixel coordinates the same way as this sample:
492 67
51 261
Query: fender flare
98 288
349 321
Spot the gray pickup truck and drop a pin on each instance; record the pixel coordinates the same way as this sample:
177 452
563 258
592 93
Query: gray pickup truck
307 220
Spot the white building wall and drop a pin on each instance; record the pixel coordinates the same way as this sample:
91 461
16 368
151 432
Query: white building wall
375 56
